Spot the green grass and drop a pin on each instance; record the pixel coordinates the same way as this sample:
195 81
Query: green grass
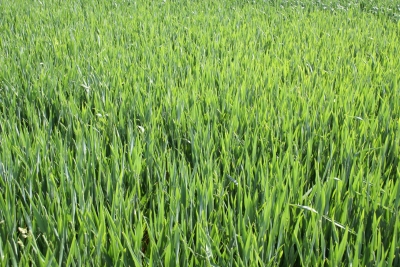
199 133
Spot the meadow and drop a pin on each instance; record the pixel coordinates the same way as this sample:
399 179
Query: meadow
199 133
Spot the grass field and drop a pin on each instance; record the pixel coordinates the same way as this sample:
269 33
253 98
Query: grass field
199 133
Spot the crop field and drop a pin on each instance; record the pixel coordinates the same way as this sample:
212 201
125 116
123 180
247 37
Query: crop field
199 133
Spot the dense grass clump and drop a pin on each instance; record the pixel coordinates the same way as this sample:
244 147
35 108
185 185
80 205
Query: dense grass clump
199 133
